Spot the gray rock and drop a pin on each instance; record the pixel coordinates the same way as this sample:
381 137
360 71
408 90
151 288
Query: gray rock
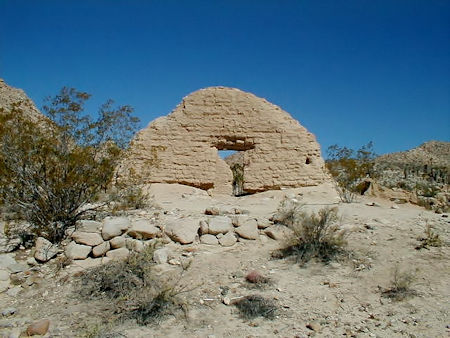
114 226
101 249
249 230
219 225
204 227
238 220
212 211
32 261
134 245
88 263
6 260
87 238
263 223
183 230
13 292
279 232
77 251
120 253
4 275
209 239
88 226
9 311
17 267
44 250
143 229
161 256
117 242
229 239
4 285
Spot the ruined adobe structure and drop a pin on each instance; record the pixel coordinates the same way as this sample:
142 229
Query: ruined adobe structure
275 151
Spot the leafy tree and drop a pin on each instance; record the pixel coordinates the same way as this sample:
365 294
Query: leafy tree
51 168
349 168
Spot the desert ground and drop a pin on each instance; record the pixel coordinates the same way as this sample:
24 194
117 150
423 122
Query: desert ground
341 298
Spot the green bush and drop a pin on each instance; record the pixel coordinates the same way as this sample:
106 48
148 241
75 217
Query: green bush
53 166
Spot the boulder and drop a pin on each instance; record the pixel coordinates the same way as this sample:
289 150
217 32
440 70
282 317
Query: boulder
263 223
238 220
77 251
39 327
229 239
88 226
204 227
44 250
4 275
161 256
120 253
219 225
212 211
114 226
209 239
249 230
87 238
143 229
117 242
101 249
279 232
134 244
183 230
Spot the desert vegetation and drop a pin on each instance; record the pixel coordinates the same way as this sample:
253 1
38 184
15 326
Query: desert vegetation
349 168
132 289
315 234
52 169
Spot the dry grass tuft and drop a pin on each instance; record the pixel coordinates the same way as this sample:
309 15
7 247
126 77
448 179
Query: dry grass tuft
254 306
430 238
400 287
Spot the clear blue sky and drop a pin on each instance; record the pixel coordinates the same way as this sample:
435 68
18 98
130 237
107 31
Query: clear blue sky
349 71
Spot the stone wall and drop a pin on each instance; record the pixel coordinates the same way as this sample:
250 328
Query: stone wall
183 147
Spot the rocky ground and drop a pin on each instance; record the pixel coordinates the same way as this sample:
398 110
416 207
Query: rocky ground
342 298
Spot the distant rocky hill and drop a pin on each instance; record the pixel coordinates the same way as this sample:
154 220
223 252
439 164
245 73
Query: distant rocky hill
423 171
434 153
10 95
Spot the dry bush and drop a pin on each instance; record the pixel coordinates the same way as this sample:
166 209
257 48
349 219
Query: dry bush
401 283
128 197
254 306
316 235
430 238
132 288
288 211
50 169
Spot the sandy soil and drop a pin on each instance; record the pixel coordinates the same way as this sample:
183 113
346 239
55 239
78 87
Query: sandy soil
322 300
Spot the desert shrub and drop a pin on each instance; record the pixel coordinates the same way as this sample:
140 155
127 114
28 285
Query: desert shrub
132 287
316 235
288 212
128 196
430 238
254 306
52 167
349 168
401 284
